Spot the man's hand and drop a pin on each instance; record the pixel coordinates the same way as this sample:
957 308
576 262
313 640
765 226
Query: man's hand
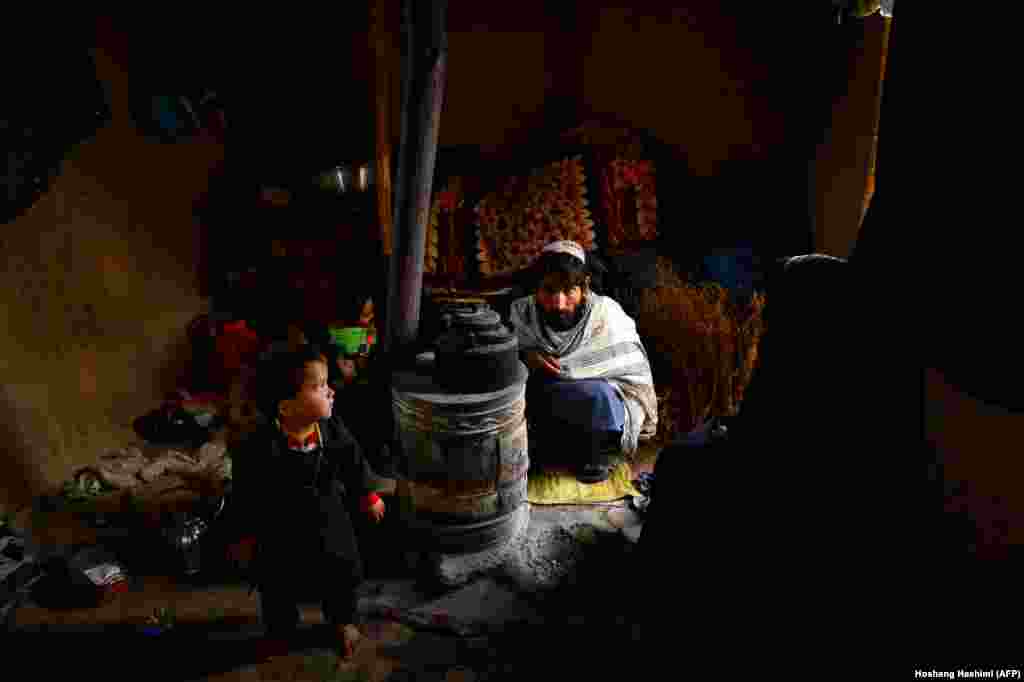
536 360
376 512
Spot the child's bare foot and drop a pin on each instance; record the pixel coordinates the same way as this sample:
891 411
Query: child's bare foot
348 641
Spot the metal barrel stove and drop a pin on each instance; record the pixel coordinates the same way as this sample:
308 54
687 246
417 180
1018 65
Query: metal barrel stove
464 460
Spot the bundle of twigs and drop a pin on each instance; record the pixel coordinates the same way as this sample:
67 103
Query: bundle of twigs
703 348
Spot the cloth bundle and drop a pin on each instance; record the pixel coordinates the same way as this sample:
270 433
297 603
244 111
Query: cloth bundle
128 468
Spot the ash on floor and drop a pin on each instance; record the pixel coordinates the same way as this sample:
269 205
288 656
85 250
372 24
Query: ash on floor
551 551
543 560
550 571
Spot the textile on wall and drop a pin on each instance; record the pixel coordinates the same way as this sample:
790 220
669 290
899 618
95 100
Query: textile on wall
623 164
443 253
515 222
630 201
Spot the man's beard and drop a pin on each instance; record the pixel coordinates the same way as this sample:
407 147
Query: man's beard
563 322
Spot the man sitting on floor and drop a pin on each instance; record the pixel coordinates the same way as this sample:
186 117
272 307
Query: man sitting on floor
590 385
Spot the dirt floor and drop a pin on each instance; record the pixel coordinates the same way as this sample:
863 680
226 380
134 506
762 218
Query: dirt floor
217 621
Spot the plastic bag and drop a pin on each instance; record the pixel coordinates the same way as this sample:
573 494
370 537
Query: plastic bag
86 578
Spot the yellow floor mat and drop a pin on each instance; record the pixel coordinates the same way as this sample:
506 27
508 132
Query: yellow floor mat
553 485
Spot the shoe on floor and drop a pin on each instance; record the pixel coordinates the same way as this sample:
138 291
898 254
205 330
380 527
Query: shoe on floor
592 474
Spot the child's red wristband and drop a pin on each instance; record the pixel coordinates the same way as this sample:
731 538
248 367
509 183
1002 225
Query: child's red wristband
369 501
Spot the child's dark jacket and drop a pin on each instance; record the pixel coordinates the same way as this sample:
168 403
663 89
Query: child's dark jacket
295 513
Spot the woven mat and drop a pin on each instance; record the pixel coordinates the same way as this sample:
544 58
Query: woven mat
553 485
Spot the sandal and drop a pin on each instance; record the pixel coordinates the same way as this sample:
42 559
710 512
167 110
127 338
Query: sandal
599 466
591 474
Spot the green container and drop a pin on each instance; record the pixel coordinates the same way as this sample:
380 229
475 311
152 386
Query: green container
351 340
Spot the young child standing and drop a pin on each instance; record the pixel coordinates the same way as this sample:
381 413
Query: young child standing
293 480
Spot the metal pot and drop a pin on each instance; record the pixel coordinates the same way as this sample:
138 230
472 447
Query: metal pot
184 531
476 353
